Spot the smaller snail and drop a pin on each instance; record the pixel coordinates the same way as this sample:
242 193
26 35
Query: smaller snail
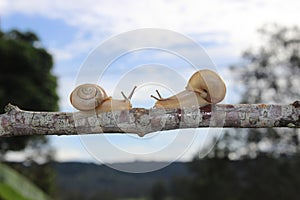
203 88
88 97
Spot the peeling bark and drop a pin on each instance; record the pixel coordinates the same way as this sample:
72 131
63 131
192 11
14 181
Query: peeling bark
17 122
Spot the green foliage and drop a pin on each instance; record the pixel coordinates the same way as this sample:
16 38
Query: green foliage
35 171
8 193
26 78
17 187
26 81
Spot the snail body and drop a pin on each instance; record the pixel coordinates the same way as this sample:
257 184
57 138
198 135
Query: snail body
182 99
111 104
203 88
90 97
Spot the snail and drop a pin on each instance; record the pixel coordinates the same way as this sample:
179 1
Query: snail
88 97
203 88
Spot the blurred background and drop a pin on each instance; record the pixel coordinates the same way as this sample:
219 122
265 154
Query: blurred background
255 48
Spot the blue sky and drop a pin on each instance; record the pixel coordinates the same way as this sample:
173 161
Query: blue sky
71 30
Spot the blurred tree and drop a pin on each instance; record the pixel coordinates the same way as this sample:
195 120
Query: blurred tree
158 191
272 70
270 74
220 178
26 81
266 161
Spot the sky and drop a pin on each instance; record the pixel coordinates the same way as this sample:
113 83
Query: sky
72 31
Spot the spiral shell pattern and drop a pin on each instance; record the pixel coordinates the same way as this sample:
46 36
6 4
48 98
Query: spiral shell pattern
87 97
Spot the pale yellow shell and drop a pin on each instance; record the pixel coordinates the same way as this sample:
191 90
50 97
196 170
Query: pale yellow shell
208 83
87 97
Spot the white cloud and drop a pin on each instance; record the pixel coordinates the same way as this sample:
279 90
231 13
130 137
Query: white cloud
61 54
65 155
238 20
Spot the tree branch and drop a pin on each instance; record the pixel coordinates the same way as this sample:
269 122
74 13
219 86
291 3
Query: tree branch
16 122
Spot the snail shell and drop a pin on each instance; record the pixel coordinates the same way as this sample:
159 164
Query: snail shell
209 83
203 88
87 97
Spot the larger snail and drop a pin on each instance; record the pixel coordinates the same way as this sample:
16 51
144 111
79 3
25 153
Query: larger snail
89 97
203 88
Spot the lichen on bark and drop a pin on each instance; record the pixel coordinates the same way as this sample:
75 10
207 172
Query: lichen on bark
16 122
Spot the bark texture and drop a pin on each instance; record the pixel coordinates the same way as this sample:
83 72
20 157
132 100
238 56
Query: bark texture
16 122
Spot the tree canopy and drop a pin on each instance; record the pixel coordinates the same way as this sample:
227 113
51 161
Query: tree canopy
269 74
255 163
271 70
26 80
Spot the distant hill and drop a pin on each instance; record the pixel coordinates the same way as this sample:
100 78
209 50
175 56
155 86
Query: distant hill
213 178
89 181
